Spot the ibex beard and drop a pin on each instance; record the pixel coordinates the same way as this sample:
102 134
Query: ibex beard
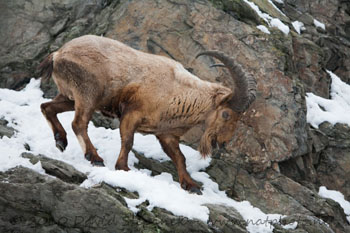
149 94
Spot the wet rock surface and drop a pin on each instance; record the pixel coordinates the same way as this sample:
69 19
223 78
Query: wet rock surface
275 160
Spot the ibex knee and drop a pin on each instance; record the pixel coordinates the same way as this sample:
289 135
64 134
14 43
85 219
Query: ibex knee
44 108
77 126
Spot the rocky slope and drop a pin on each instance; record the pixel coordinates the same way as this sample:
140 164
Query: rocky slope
275 159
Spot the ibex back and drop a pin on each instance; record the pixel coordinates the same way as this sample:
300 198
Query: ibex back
148 93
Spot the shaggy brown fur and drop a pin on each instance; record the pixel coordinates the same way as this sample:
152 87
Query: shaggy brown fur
149 93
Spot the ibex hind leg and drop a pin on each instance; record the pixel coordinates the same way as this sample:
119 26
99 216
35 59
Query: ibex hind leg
50 110
80 123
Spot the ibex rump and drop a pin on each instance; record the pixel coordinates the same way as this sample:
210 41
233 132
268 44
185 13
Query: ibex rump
148 93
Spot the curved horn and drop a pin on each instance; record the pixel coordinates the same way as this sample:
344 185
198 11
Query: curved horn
245 91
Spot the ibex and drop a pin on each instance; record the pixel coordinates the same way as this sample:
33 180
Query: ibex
149 93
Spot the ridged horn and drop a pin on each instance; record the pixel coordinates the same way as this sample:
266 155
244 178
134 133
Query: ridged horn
245 91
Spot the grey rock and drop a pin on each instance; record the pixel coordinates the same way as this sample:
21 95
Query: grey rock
181 224
330 157
337 135
155 166
333 170
238 9
309 224
61 170
273 192
44 204
33 28
227 219
100 120
6 130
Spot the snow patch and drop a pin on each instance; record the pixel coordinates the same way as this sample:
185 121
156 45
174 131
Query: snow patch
277 23
337 197
290 226
263 29
319 24
334 110
298 26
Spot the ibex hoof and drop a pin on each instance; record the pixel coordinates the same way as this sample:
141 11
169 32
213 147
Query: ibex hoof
98 163
124 168
61 145
195 190
88 157
191 188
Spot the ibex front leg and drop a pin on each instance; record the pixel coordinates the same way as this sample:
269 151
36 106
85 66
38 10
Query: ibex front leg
128 124
50 110
80 123
170 145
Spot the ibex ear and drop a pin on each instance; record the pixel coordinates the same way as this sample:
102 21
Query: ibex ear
222 95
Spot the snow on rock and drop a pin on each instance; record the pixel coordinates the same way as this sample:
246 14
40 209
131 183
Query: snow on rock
290 226
22 110
337 197
279 1
298 26
319 24
263 29
277 23
262 15
334 110
272 22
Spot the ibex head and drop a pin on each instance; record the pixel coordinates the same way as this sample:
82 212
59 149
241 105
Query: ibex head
221 122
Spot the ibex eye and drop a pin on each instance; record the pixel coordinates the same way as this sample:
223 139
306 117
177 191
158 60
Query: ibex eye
225 115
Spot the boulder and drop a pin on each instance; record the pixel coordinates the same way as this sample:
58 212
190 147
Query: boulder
227 219
61 170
